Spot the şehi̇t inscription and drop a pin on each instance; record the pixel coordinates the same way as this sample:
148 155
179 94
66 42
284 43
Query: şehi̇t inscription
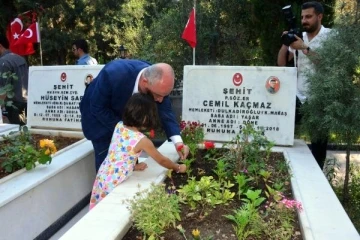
60 104
236 110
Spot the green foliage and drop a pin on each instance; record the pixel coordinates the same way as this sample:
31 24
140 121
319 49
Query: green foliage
205 193
334 88
246 221
353 206
154 210
188 162
272 194
221 170
253 198
231 32
278 223
242 180
7 89
18 150
247 150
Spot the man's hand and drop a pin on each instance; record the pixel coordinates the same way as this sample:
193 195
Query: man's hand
182 149
298 44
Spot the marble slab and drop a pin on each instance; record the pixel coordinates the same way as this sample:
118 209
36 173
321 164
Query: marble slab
226 98
55 93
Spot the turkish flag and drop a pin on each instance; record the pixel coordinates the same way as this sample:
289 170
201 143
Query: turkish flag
13 33
189 33
30 35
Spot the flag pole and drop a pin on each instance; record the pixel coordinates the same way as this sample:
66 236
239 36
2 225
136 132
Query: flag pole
195 23
40 47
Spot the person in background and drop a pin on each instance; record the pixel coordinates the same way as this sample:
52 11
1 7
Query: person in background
127 143
80 49
14 64
104 100
315 33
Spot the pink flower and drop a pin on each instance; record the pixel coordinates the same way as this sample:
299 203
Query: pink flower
292 204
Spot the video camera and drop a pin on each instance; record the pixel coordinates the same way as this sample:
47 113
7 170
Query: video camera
289 38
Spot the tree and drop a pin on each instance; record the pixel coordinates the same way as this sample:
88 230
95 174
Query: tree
334 88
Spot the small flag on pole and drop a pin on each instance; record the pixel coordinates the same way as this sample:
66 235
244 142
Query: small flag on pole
189 33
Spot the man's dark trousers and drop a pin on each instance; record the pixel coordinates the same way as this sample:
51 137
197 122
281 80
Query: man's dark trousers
101 147
318 147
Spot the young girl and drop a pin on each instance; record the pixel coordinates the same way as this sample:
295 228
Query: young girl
126 145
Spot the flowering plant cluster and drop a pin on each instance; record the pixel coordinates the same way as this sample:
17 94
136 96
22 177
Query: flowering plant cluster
18 151
292 204
191 132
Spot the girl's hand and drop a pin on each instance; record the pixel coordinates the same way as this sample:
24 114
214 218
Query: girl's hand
140 166
181 168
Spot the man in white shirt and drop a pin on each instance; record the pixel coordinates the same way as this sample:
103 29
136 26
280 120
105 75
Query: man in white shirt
314 35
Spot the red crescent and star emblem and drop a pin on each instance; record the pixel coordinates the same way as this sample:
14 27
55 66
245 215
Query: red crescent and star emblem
237 79
63 77
16 28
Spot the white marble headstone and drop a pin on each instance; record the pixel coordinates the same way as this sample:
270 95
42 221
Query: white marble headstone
225 98
54 95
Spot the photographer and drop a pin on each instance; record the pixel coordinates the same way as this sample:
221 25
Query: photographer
302 48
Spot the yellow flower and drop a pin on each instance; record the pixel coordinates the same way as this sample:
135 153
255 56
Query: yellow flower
195 233
49 145
53 149
46 143
42 143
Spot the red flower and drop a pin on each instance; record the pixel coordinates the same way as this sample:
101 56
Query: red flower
152 133
209 145
179 148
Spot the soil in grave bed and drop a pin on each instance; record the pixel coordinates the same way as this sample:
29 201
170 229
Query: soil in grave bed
214 224
60 143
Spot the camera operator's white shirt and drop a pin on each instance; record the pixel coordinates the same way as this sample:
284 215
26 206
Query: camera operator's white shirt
304 64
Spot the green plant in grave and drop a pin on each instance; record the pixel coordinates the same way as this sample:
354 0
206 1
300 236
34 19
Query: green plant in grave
154 210
247 219
247 222
7 88
249 150
220 170
272 194
205 194
188 162
242 180
278 223
253 198
265 175
18 151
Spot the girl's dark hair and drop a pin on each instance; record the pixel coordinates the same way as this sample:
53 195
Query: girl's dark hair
141 112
